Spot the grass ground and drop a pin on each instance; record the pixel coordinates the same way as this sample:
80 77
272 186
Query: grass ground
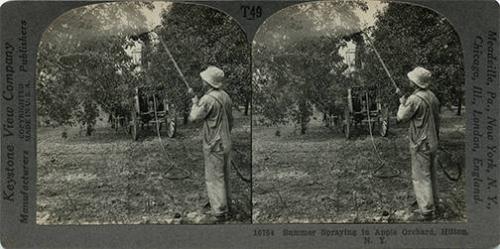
321 177
109 179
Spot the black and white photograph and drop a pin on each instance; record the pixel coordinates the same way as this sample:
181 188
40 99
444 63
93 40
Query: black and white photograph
143 116
249 124
358 115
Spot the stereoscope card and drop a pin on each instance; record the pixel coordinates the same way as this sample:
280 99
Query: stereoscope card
249 124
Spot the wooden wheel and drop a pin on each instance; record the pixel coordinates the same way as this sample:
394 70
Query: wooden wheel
347 122
171 123
134 126
125 124
116 124
112 119
384 121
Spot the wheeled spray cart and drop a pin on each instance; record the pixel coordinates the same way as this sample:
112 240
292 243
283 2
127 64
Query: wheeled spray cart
151 110
364 107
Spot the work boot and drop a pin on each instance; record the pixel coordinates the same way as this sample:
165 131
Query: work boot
418 216
208 219
221 218
206 207
216 219
440 208
414 204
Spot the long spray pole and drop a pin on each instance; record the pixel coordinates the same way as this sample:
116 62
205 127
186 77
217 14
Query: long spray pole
175 62
382 62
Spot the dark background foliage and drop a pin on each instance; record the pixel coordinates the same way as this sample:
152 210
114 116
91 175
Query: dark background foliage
82 63
298 71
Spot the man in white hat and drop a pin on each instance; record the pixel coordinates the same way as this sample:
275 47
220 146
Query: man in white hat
421 109
215 109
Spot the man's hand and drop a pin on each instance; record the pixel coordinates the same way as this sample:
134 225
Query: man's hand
195 100
398 91
190 91
402 100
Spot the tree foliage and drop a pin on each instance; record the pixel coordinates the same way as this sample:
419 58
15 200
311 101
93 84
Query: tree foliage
198 36
306 74
407 36
81 63
83 66
297 71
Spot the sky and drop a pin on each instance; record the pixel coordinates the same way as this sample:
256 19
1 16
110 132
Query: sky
292 23
368 18
114 19
316 19
310 19
153 17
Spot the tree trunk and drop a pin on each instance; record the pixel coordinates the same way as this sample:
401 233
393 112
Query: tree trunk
303 115
303 128
247 107
185 117
89 130
459 109
186 109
